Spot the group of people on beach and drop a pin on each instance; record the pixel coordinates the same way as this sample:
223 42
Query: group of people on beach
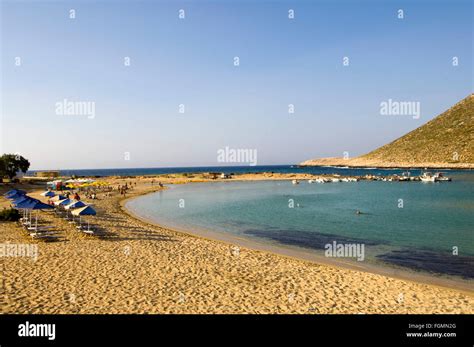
75 195
123 189
92 194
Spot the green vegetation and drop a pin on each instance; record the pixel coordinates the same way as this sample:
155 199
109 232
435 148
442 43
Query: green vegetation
10 215
10 164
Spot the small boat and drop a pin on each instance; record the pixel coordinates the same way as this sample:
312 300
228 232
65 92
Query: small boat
311 181
320 180
295 182
427 177
439 177
335 180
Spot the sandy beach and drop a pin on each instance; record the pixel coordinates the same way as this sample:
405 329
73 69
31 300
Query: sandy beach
136 267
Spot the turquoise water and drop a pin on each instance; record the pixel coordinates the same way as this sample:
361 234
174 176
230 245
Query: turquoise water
409 224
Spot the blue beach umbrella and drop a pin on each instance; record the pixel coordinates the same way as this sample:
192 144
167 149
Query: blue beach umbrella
22 202
74 204
27 204
33 204
21 199
48 194
13 192
84 211
62 202
40 206
15 196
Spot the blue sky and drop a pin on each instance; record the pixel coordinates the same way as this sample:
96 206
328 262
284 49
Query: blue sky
190 62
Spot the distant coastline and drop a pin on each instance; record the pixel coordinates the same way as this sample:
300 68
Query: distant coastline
359 163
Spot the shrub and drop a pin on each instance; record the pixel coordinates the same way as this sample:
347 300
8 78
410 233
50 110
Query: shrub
10 215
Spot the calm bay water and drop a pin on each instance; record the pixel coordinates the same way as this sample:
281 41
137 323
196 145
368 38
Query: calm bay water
421 235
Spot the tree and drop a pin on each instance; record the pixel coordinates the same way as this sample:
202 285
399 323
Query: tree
10 164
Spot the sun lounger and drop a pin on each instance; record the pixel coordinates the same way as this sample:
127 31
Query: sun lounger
43 235
40 228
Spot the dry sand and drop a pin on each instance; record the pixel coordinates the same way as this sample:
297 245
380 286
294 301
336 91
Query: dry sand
140 268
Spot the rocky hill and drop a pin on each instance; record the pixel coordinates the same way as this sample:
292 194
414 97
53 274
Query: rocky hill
447 141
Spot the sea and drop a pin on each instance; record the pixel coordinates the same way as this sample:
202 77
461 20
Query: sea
418 226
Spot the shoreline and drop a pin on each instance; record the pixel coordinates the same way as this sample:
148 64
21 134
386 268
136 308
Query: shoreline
302 254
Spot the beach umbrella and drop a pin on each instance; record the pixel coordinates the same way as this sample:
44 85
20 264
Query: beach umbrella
22 198
84 211
40 206
27 203
62 202
15 196
33 204
48 193
14 192
22 202
58 197
74 204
